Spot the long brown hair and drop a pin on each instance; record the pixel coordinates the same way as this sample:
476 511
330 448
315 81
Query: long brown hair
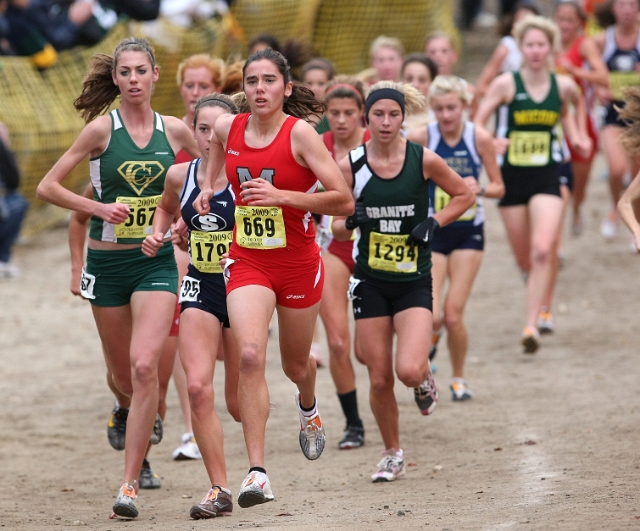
630 114
302 103
98 89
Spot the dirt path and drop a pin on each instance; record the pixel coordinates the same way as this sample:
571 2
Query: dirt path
549 441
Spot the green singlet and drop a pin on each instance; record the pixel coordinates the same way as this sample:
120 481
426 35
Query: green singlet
127 174
395 207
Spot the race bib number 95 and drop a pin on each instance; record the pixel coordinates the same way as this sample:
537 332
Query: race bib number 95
390 252
140 221
207 249
260 227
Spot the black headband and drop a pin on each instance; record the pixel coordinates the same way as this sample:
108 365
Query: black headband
384 94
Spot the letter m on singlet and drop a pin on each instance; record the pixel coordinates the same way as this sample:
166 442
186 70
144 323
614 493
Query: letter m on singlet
244 174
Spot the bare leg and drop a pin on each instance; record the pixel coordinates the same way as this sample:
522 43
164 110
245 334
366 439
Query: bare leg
251 340
464 265
199 338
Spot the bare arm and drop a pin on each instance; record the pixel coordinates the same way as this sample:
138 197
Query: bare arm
92 141
487 152
434 167
180 136
420 136
491 69
215 164
501 91
307 145
77 238
574 124
626 209
167 209
340 232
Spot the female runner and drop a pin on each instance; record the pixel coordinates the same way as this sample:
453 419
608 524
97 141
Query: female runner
457 249
620 49
204 321
197 76
532 102
580 58
274 162
345 109
132 297
419 71
391 284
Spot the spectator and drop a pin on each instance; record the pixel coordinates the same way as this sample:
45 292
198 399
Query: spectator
143 10
13 205
24 37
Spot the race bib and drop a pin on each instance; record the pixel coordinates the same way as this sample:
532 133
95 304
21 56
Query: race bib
207 249
441 200
140 221
87 283
618 81
190 290
529 148
390 252
260 227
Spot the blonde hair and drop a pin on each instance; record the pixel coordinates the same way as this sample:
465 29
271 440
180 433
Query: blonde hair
545 25
203 60
413 99
386 42
441 35
444 84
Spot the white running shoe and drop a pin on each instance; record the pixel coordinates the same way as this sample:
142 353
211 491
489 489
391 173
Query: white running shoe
459 390
188 449
125 505
312 436
609 227
255 489
391 467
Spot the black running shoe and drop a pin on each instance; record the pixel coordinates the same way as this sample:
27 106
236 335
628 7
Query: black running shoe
117 427
147 479
158 430
353 438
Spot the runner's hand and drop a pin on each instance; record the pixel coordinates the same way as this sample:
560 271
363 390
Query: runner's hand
422 234
358 218
152 244
201 204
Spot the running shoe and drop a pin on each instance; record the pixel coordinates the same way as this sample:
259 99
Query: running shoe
391 467
217 502
255 490
426 395
158 430
577 225
434 345
117 427
147 479
188 449
353 438
312 436
459 390
545 322
530 340
125 504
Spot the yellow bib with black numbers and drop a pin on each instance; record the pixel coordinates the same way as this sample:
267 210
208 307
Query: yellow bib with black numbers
260 227
441 200
390 252
529 148
140 221
207 249
618 81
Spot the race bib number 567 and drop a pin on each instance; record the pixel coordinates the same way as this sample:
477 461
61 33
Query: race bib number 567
140 221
